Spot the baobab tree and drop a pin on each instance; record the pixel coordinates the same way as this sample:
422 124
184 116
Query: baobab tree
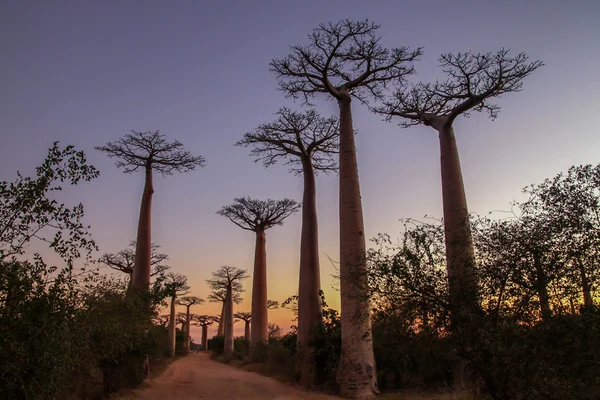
219 296
258 216
175 286
473 81
229 279
247 318
204 321
149 151
124 260
345 60
309 144
188 302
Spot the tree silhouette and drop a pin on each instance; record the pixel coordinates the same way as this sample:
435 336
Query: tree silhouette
229 279
175 286
219 296
124 260
272 304
308 143
149 151
473 80
204 321
247 318
258 216
188 301
345 60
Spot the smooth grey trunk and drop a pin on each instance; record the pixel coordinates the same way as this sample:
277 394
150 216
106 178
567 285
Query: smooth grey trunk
172 328
204 337
309 302
259 328
542 288
143 246
228 348
356 372
221 328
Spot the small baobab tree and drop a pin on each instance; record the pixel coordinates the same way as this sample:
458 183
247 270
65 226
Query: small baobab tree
309 144
219 296
247 318
149 151
175 285
473 81
124 260
229 279
204 321
345 60
258 216
188 302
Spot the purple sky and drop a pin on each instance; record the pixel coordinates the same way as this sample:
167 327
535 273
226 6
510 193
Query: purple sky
86 72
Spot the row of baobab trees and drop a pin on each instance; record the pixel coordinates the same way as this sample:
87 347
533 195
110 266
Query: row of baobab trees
343 61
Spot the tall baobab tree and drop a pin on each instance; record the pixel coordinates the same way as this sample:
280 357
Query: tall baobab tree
258 216
247 318
219 296
124 260
308 143
204 321
473 81
175 286
188 302
344 60
229 279
149 151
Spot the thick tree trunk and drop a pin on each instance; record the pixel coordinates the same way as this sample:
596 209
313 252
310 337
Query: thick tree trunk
585 286
247 330
221 328
259 329
141 269
460 255
309 302
172 328
204 337
186 332
542 288
228 349
356 373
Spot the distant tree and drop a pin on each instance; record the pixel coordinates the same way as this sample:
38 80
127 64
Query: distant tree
258 216
345 60
274 331
149 151
219 296
247 318
229 279
124 260
27 211
473 80
188 302
309 144
175 285
204 321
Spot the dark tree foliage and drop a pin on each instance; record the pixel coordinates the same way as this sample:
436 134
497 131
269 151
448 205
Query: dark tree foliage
124 260
218 296
252 215
226 276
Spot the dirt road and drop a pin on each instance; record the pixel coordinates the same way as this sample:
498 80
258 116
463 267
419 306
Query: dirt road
198 377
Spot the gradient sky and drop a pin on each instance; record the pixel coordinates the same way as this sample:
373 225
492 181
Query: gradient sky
86 72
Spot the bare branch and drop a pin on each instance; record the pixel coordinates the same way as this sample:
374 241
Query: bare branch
256 215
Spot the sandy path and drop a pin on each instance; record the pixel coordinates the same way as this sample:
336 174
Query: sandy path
198 377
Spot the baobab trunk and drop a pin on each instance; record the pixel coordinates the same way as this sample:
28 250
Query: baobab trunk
356 369
460 255
204 337
309 302
542 288
247 330
172 328
221 328
186 332
141 269
228 349
259 330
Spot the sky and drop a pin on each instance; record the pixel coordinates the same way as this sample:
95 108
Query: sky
88 72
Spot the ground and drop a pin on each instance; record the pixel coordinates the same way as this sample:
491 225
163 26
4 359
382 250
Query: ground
196 376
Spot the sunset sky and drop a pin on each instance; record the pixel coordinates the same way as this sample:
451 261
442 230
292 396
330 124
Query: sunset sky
87 72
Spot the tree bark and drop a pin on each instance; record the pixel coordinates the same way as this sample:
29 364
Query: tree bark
585 286
172 328
221 328
247 330
309 302
143 247
186 332
228 349
356 369
460 255
259 329
542 288
204 337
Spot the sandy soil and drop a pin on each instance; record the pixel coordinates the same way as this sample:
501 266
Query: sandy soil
198 377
